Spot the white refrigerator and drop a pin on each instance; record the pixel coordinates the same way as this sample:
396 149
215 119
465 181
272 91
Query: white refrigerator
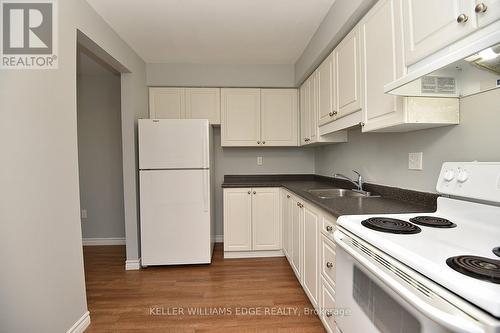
176 194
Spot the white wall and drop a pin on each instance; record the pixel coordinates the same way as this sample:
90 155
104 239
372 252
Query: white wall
42 286
243 161
100 150
383 158
209 75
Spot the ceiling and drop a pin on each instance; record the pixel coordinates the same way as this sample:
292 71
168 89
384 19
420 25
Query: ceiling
215 31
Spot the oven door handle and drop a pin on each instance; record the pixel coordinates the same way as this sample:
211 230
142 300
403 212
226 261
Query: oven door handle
450 319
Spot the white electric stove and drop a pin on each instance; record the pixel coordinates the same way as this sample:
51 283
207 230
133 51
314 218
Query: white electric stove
433 272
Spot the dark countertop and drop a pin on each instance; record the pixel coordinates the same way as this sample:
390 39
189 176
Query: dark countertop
392 199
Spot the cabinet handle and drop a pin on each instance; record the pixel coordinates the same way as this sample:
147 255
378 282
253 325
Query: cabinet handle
254 192
328 314
480 8
329 228
249 192
298 204
329 264
288 196
462 18
258 142
263 142
333 113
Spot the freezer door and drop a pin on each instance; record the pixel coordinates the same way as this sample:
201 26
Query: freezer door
173 144
175 217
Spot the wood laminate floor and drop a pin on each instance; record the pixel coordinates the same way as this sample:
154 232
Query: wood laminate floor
225 296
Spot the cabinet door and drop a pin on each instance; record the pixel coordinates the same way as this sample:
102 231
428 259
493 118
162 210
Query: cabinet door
347 64
166 103
279 117
266 219
310 244
304 112
297 221
325 86
287 224
313 108
240 117
382 61
203 103
488 11
430 25
237 219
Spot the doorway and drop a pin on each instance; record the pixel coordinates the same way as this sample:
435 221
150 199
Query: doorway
99 152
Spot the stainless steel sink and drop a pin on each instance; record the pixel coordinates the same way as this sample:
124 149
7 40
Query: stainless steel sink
329 193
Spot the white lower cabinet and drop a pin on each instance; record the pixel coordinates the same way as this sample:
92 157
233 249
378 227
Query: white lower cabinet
296 225
266 224
310 261
252 222
237 219
286 220
327 307
263 222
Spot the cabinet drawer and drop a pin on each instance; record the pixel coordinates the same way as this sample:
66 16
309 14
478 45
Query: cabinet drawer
328 225
327 310
327 260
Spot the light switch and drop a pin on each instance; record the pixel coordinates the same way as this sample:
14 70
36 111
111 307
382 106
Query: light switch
415 161
259 160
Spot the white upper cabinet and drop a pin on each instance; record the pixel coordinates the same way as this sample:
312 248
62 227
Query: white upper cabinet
266 223
240 117
305 128
382 62
185 103
348 65
430 25
488 11
381 36
327 106
279 117
203 103
309 130
259 117
166 103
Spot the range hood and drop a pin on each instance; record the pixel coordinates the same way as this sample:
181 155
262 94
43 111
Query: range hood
464 72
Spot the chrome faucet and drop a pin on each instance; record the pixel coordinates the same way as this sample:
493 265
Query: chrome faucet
358 183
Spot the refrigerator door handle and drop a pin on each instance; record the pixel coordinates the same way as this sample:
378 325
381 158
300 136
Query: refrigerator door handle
204 150
205 190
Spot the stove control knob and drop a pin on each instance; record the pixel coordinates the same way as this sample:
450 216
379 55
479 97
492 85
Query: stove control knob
449 175
462 176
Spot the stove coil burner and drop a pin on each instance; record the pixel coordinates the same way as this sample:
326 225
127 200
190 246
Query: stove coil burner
476 267
433 221
496 251
389 225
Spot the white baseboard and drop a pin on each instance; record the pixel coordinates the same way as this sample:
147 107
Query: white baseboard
103 241
253 254
81 324
219 238
132 265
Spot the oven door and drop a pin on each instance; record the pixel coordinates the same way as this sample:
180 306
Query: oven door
378 294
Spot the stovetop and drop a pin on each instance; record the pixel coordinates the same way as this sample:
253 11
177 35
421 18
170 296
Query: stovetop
471 235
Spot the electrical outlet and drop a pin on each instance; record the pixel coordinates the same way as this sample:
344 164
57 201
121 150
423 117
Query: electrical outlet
83 214
415 161
259 160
